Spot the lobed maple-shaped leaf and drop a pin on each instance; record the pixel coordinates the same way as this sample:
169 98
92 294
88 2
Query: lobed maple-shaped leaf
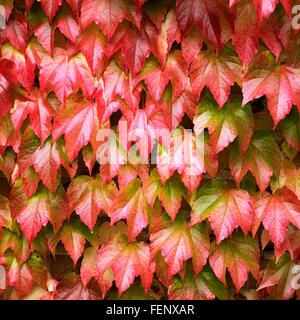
279 278
276 212
35 215
64 74
204 286
279 83
135 49
186 103
87 196
203 14
46 162
107 232
134 202
155 78
191 45
73 240
185 153
19 245
115 82
218 73
126 261
261 159
225 208
239 255
128 172
226 124
34 212
108 14
170 195
40 113
246 36
92 44
275 33
177 71
88 271
178 242
78 122
18 276
40 25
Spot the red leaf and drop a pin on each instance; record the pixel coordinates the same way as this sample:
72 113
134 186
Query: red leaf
203 14
35 215
135 49
67 25
218 73
261 159
246 36
279 276
156 79
225 208
131 204
92 44
177 71
50 7
191 45
281 85
73 241
78 122
46 162
40 113
178 243
65 75
30 181
226 124
171 196
87 196
16 31
239 255
88 268
44 34
275 212
107 13
126 261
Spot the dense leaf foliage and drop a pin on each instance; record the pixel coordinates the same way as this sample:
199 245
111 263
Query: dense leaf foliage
221 223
